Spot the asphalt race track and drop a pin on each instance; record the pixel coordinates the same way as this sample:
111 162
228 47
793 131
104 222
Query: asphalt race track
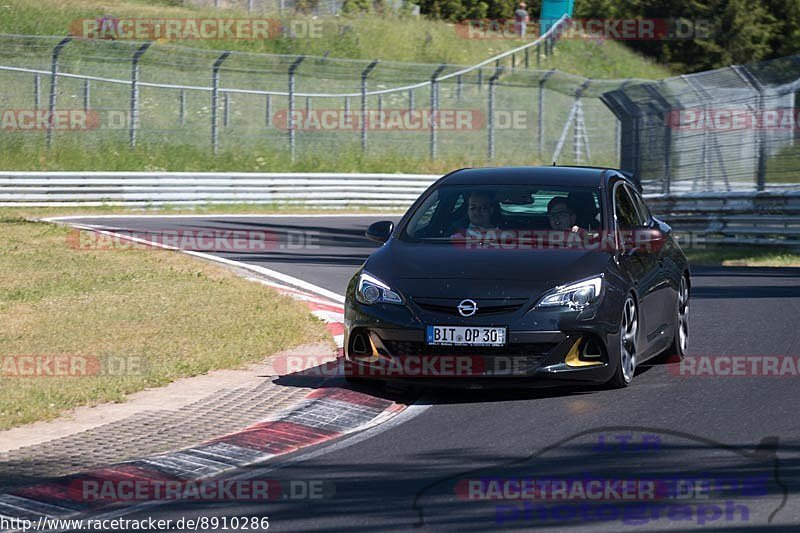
405 475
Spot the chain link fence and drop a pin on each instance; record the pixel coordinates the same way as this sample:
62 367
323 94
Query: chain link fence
503 109
731 129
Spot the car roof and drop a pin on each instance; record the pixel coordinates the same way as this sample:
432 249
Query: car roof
545 175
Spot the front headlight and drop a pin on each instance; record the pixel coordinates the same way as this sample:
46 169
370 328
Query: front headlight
576 295
371 290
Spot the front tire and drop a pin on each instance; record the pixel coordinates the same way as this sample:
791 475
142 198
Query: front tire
628 343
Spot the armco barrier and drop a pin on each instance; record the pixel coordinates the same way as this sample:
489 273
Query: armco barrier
36 189
771 218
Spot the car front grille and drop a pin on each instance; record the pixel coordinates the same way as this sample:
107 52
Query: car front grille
485 308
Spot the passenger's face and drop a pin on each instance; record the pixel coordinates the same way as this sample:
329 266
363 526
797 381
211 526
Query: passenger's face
561 217
480 210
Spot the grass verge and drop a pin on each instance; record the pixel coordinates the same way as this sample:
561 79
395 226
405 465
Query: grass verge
747 256
389 38
141 318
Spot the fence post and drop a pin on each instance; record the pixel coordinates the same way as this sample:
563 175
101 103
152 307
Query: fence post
435 109
347 105
618 128
226 109
761 169
579 130
540 118
480 79
135 92
492 88
380 111
215 99
666 107
54 87
528 57
364 75
411 100
37 92
290 111
182 107
87 95
268 111
459 87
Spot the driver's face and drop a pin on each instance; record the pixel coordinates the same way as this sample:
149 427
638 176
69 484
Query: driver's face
480 211
561 217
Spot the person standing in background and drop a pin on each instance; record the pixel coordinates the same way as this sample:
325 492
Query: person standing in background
521 15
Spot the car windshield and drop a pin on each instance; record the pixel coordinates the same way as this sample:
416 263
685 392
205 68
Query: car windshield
453 209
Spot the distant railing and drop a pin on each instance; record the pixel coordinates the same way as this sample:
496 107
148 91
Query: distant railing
768 218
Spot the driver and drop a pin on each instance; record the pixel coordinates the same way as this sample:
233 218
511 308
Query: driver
482 211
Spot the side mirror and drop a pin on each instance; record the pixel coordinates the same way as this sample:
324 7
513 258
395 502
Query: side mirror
643 239
380 231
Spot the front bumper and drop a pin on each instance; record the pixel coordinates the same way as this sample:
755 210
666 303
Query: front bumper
387 342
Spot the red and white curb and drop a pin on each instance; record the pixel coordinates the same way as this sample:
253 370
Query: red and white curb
323 415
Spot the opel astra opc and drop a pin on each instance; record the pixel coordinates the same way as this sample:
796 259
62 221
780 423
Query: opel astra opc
519 276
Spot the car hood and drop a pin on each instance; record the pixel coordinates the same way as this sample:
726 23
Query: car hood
428 269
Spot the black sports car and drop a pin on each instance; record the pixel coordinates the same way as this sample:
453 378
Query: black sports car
517 276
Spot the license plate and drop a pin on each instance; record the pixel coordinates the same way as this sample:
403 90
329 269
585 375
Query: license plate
466 336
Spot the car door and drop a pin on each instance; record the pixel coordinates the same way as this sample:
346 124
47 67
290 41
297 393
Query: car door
639 263
665 292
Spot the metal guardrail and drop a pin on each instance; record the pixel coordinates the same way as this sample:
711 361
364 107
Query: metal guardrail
770 218
760 218
40 189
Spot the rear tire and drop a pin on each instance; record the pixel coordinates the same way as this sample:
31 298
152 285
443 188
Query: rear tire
628 342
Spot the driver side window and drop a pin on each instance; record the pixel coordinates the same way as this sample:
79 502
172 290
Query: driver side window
624 211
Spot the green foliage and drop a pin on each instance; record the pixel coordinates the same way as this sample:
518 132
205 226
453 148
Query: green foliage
457 10
740 31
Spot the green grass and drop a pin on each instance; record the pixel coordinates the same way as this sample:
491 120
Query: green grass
752 256
69 155
249 143
166 314
389 38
